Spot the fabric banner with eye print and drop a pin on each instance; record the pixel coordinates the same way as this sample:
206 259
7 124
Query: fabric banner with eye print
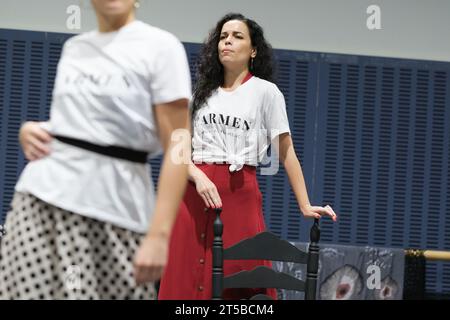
351 273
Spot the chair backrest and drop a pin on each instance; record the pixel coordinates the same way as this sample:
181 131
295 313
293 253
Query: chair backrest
264 246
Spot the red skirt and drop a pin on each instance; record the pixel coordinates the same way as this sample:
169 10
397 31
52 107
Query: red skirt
189 270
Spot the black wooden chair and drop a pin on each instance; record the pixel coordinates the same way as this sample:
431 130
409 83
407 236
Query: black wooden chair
264 246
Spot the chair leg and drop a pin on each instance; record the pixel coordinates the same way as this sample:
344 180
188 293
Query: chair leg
217 255
313 262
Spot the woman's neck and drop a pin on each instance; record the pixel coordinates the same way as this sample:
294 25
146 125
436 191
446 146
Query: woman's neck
233 79
109 24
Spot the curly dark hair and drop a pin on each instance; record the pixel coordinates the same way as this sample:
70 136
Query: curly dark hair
210 73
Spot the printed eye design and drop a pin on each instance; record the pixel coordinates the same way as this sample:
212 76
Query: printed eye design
388 289
343 284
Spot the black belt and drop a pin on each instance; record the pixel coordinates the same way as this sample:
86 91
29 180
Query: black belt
111 151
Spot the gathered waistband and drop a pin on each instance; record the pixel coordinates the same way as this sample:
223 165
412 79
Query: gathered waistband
232 169
220 175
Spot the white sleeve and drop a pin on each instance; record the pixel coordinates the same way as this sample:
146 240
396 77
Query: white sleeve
275 117
170 78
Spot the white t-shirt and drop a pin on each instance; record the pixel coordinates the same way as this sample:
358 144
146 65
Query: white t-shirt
105 87
237 127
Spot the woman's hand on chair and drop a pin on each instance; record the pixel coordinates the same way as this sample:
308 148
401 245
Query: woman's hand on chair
317 212
34 140
207 191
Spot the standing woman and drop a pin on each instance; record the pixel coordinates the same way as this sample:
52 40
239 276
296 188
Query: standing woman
85 222
238 112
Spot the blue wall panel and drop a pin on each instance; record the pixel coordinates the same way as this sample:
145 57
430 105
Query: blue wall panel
384 157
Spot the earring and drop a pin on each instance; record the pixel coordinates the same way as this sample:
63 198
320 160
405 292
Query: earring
137 4
251 64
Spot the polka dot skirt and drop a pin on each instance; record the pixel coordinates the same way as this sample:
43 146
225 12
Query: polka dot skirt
50 253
